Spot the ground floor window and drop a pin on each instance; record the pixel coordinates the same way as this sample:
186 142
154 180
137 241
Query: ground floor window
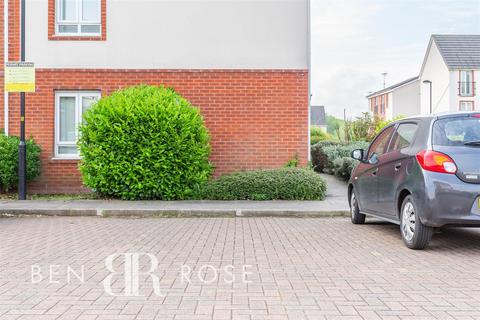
466 106
69 109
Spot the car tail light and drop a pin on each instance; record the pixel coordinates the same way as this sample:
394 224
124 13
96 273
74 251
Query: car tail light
436 161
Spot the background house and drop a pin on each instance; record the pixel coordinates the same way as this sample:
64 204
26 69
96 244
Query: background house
243 63
450 66
318 117
452 63
401 99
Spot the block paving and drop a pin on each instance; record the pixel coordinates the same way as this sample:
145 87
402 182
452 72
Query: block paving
284 268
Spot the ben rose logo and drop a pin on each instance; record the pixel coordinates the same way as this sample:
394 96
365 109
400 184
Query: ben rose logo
131 274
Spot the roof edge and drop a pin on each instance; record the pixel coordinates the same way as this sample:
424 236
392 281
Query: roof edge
395 86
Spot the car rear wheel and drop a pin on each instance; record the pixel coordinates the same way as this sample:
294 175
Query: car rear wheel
356 216
415 234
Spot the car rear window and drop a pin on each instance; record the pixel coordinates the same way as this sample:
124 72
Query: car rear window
456 131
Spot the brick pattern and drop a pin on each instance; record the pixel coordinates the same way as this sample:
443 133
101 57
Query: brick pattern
13 49
257 119
301 269
2 65
51 25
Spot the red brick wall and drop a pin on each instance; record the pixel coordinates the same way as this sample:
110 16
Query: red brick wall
2 62
257 119
14 42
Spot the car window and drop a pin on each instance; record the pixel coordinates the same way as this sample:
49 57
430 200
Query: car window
380 143
403 137
456 131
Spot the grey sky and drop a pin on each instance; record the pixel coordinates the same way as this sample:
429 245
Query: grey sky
354 41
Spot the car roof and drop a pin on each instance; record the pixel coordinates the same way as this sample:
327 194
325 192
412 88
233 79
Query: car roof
438 115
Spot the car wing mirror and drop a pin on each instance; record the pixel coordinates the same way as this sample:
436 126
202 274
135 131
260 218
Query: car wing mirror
358 154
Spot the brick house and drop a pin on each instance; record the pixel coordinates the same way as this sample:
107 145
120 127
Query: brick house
245 64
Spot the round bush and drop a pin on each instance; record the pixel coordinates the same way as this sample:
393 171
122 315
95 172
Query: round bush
9 162
278 184
144 143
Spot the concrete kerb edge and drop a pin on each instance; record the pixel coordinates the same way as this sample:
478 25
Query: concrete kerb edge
169 213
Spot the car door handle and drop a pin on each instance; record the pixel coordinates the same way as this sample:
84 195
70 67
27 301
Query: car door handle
398 166
374 173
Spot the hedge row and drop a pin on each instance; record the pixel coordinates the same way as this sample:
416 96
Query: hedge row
277 184
334 158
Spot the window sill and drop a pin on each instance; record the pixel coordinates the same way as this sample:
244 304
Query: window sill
70 159
76 38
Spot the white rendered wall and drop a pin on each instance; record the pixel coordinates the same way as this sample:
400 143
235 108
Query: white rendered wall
436 71
406 100
184 34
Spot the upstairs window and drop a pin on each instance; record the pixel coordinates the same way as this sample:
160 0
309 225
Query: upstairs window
78 17
466 84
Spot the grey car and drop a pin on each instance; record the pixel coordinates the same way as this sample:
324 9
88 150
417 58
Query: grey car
421 173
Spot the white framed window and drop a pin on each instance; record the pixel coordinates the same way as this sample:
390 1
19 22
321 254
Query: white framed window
466 106
78 17
466 83
69 109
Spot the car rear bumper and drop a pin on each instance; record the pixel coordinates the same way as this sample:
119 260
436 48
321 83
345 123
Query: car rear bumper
449 201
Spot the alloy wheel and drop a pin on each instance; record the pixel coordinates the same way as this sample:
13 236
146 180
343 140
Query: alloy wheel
408 221
353 204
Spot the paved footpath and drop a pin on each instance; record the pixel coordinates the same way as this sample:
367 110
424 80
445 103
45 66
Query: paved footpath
334 205
294 269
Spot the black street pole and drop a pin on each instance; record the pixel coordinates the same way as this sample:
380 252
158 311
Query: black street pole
22 147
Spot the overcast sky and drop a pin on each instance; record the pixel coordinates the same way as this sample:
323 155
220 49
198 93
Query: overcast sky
354 41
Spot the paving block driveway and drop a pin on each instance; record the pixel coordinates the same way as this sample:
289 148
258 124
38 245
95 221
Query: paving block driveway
284 268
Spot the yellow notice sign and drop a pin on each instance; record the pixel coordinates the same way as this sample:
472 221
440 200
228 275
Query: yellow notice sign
20 77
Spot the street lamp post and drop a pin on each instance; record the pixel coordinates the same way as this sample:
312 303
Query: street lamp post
430 84
22 147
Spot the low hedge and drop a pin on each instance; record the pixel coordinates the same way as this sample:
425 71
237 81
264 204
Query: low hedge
277 184
343 167
335 152
334 157
9 162
318 156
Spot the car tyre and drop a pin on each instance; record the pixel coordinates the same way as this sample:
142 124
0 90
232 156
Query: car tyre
355 214
415 234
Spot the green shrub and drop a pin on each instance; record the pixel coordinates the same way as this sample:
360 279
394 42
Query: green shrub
144 143
340 151
317 135
277 184
9 162
292 163
318 156
343 167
